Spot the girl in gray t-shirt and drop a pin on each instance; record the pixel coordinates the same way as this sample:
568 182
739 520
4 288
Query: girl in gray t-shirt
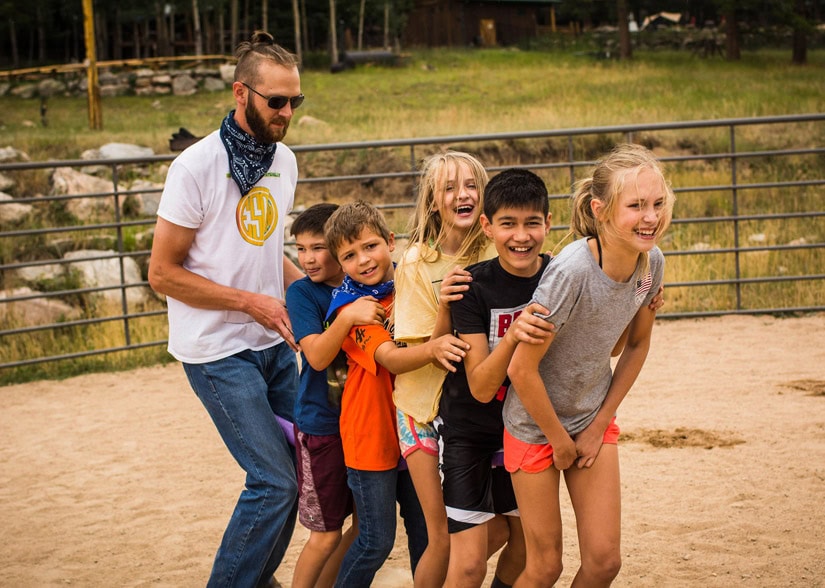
559 414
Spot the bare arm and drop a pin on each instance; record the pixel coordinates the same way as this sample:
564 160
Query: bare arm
321 348
589 441
168 276
444 350
486 373
524 375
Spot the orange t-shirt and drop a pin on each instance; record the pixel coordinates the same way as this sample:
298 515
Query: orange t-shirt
368 425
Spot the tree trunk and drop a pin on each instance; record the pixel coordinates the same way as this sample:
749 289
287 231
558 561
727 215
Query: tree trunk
265 15
361 25
296 22
732 31
196 25
233 23
15 52
304 26
117 46
625 46
333 33
386 24
800 37
41 35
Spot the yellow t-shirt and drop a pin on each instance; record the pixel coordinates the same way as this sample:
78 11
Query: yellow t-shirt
417 284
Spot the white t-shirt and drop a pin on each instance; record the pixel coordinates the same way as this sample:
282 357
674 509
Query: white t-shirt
239 243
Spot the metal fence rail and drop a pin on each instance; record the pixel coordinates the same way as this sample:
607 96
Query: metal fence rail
574 150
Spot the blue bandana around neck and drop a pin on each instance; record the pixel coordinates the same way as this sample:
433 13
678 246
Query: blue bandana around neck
249 159
350 291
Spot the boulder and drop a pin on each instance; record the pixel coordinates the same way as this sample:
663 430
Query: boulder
213 85
124 151
25 91
6 182
50 87
13 212
184 85
35 311
149 198
227 72
106 272
66 180
11 154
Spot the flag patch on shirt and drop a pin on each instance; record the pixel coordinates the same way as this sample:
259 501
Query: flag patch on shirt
643 287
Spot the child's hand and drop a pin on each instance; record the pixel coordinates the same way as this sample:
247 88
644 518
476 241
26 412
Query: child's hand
564 452
588 445
453 286
364 311
530 326
448 349
658 300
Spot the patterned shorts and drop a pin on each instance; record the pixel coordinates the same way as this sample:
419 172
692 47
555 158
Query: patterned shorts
413 435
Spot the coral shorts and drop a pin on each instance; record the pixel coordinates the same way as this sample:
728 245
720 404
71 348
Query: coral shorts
534 458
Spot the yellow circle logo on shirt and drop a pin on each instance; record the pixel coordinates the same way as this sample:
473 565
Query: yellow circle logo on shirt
257 216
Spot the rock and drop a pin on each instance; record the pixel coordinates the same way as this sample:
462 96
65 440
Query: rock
6 182
14 212
227 71
184 85
50 87
124 151
4 88
149 198
311 121
36 311
758 238
11 154
106 272
25 91
162 80
213 85
32 274
65 180
114 90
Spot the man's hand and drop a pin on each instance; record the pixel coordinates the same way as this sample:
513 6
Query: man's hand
271 313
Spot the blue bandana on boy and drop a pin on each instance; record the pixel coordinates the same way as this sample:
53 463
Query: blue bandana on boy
350 291
249 159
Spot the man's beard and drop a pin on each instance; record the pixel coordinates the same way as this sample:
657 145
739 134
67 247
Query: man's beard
260 129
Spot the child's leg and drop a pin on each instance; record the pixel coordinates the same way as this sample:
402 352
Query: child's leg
333 564
374 495
419 445
595 493
498 530
314 556
538 499
324 501
468 566
413 517
513 556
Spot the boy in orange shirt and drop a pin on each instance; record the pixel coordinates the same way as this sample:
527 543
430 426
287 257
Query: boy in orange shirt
357 235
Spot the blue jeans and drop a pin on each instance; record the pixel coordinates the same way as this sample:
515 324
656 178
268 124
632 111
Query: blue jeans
243 393
375 494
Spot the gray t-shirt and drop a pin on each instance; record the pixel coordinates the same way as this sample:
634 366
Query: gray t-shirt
590 312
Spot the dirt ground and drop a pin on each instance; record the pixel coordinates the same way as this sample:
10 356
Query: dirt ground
120 479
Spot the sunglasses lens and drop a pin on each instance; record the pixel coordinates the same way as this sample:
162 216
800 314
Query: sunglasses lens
296 101
277 102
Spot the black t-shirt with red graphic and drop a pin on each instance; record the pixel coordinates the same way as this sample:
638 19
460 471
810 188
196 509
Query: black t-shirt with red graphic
493 302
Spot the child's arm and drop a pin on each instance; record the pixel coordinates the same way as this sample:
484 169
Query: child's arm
486 371
455 283
589 441
445 350
656 303
525 378
321 348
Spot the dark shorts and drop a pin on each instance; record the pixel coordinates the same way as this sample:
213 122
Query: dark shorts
324 499
474 490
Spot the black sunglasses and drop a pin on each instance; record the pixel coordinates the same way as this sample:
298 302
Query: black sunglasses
278 102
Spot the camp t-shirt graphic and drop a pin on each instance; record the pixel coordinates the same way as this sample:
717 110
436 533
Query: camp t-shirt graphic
257 215
501 319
